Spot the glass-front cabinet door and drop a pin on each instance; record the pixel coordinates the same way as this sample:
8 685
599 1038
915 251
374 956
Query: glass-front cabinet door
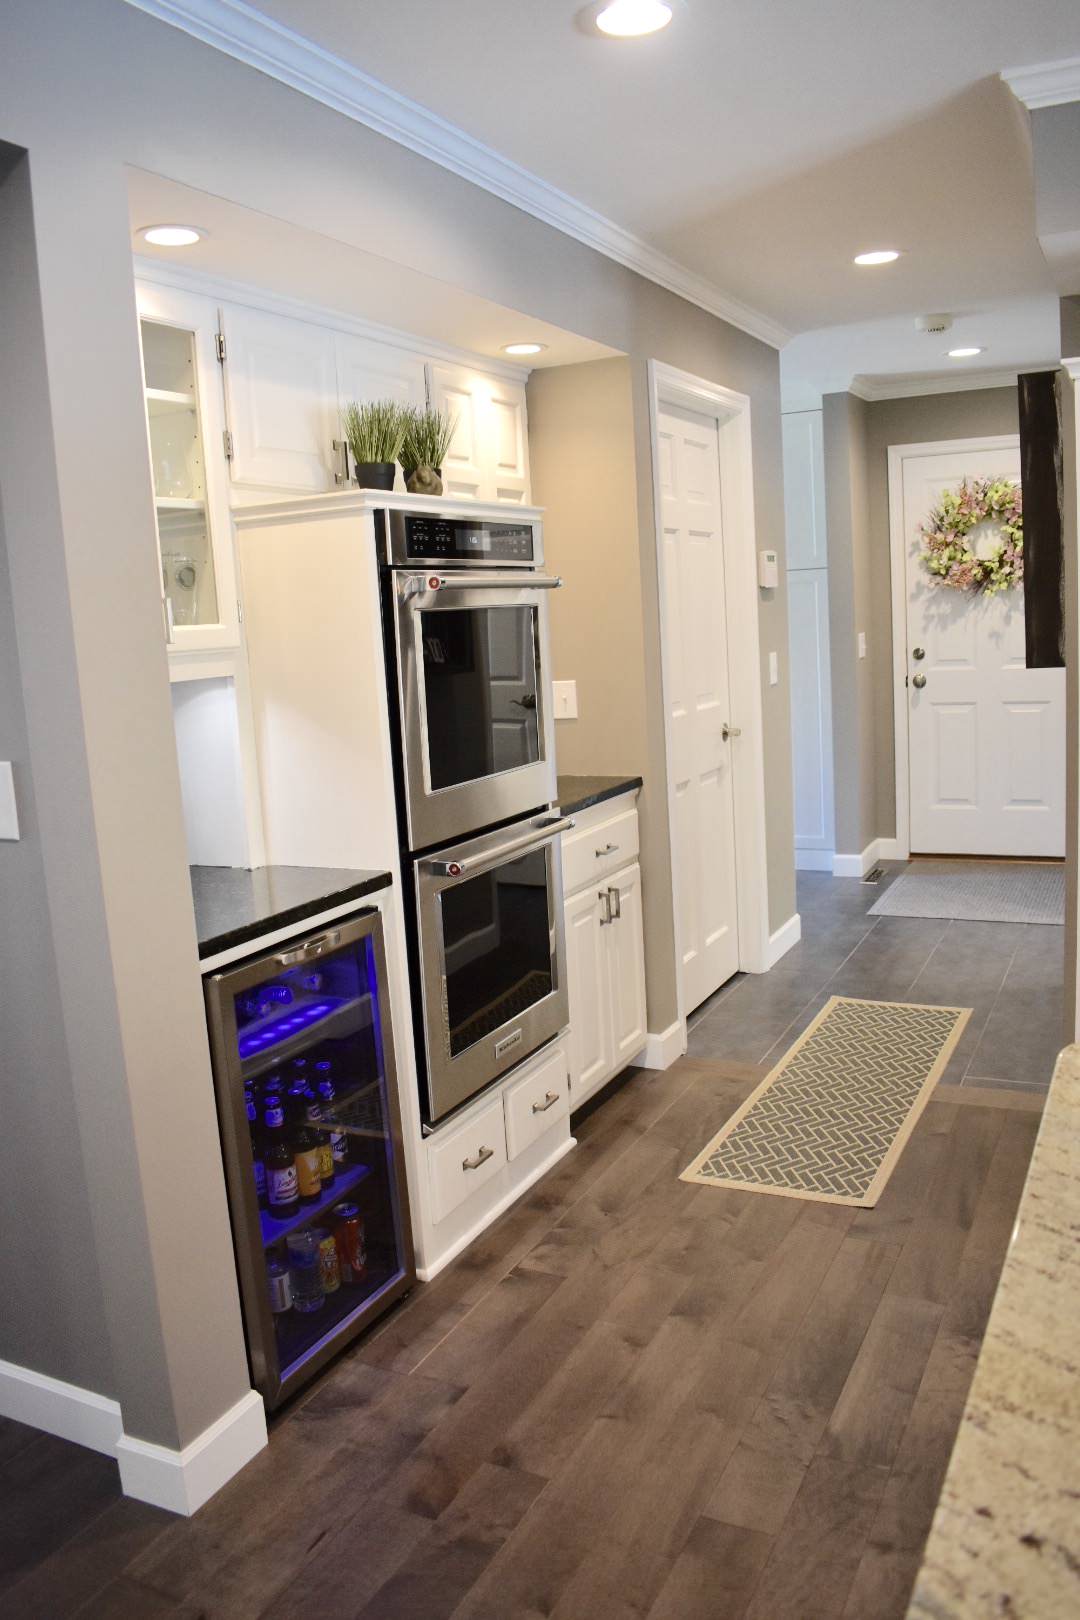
307 1101
185 426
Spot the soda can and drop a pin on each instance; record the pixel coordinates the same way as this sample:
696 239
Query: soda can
351 1245
329 1262
277 1275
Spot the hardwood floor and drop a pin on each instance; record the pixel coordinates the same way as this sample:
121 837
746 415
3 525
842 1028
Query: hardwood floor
633 1397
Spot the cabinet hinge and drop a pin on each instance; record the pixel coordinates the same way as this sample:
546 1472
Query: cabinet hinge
226 439
219 344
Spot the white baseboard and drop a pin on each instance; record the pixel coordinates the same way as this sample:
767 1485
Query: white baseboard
662 1050
857 866
183 1480
814 860
59 1408
888 849
780 943
427 1272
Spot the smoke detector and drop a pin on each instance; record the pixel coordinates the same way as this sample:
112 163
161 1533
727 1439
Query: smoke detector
933 323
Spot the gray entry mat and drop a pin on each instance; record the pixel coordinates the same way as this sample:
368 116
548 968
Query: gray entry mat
1000 892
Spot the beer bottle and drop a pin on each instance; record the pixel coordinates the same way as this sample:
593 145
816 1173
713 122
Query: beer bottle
256 1145
282 1193
339 1141
327 1167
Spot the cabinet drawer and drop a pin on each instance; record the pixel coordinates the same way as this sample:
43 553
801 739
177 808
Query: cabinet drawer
593 851
469 1157
535 1102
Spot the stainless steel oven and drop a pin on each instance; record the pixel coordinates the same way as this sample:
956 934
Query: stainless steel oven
491 956
466 602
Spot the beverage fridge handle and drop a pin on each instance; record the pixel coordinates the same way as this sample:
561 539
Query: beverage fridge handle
513 846
310 949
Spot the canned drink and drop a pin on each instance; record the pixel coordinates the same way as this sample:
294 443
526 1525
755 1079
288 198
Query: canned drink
277 1275
329 1261
352 1248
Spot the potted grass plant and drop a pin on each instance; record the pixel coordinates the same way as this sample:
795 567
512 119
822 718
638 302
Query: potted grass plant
374 432
428 436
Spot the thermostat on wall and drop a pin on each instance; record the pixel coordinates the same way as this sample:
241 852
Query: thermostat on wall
768 570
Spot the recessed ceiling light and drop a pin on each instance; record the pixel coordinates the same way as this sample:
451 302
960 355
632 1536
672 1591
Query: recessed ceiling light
627 19
878 256
171 235
523 348
963 354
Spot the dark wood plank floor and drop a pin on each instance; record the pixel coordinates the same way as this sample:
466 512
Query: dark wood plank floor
633 1397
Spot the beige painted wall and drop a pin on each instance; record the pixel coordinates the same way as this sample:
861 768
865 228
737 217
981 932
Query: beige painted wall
81 89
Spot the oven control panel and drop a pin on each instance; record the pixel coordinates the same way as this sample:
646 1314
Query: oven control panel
428 537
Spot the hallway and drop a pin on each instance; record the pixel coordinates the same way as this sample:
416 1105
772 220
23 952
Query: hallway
1009 974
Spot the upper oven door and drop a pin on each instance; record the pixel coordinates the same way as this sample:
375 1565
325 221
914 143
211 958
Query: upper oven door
475 684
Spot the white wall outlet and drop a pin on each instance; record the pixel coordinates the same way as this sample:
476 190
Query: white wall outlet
564 698
862 643
9 815
774 668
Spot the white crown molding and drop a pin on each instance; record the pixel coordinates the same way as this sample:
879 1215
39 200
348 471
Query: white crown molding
875 388
1047 84
163 273
256 40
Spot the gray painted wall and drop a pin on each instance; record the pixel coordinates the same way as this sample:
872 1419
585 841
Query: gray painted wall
81 91
857 440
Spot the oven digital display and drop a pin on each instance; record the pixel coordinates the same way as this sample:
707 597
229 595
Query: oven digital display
437 539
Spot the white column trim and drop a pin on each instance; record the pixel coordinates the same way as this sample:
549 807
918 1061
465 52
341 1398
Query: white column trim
183 1480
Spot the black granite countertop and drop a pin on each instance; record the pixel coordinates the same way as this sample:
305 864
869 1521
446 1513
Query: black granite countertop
582 792
234 906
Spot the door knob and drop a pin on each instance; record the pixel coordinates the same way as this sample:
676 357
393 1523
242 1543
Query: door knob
918 652
727 731
918 681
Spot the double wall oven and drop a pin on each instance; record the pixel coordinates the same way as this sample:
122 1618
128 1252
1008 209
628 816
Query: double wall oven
465 613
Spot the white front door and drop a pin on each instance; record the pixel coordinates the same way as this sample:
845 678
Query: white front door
698 695
986 735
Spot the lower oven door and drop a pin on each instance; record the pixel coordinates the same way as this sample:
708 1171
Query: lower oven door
492 956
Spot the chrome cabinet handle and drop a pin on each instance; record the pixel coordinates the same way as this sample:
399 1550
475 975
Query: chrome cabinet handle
918 681
549 1101
310 949
542 831
341 450
614 904
604 898
482 1157
727 731
608 849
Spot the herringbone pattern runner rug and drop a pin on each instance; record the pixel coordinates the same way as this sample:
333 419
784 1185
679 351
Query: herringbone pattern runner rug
830 1121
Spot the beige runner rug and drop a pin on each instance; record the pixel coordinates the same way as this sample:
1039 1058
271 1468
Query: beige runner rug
830 1121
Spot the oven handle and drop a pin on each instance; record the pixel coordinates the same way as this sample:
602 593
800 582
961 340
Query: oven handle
425 584
513 846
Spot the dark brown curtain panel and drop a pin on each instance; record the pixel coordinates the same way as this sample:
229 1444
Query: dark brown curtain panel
1044 505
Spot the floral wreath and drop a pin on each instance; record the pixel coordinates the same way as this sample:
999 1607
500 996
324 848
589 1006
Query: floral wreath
994 565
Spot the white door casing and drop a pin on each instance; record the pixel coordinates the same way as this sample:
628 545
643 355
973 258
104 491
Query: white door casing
698 698
981 746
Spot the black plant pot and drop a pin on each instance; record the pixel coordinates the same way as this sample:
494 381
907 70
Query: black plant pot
423 480
375 474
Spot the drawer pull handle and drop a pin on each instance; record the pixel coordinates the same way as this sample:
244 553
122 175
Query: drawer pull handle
484 1154
614 904
608 849
549 1101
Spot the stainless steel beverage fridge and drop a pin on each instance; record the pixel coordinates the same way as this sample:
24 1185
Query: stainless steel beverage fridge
303 1058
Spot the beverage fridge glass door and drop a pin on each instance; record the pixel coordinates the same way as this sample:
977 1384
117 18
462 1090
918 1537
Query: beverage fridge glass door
307 1101
492 950
477 728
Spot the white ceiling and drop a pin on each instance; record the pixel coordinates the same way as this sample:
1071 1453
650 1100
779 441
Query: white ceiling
760 145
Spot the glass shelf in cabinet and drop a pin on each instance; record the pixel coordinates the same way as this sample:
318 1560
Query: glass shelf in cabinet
345 1182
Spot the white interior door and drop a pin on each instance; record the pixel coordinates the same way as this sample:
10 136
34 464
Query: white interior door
688 473
986 736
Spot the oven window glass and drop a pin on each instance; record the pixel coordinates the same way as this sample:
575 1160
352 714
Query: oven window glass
498 943
480 686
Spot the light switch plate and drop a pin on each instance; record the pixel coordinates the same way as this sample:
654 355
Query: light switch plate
862 643
564 699
774 668
9 816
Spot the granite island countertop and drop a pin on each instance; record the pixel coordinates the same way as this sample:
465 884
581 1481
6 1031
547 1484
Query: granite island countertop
582 792
1005 1542
235 905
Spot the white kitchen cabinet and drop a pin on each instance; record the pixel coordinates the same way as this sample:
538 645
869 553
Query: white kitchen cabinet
624 941
368 370
586 976
282 401
185 429
489 455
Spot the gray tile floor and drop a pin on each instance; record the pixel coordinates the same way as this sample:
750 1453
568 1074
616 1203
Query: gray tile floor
1009 974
